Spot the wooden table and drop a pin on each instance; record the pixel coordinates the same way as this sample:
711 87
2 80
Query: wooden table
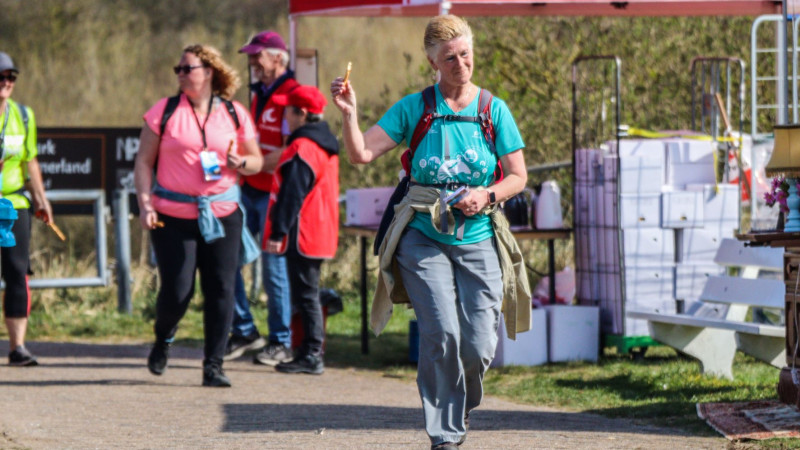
787 391
365 232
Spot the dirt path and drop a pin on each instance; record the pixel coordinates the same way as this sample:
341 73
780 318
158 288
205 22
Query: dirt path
102 396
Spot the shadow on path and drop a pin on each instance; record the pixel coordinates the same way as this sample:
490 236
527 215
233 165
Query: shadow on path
274 417
93 350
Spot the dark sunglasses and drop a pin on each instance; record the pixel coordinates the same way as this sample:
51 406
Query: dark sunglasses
12 78
185 69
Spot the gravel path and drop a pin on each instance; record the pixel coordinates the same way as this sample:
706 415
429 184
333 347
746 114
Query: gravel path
102 396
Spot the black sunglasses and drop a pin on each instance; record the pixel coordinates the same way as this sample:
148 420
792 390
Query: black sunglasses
12 78
185 69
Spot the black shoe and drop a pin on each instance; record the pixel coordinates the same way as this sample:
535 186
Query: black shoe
21 357
157 361
238 345
214 376
303 364
273 355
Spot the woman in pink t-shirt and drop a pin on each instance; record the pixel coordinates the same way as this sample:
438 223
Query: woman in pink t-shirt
192 208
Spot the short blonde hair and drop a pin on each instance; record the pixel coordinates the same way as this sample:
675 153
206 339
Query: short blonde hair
445 28
225 80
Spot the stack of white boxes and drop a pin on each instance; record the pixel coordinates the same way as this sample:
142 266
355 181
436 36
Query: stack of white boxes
659 197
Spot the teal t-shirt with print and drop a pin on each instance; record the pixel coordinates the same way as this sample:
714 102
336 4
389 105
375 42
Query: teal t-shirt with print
453 152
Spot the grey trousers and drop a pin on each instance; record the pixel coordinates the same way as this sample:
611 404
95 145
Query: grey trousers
456 292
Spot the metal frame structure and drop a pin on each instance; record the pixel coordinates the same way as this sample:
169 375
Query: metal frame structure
98 198
604 134
712 76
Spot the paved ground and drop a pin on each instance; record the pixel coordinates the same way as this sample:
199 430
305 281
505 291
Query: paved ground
102 396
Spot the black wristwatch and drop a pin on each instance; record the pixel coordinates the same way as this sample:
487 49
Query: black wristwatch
492 198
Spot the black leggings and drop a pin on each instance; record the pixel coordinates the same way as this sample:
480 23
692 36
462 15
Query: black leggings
15 267
180 252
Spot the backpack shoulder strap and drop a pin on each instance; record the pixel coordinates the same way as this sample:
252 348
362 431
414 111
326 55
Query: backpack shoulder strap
172 104
232 112
23 111
423 125
487 126
425 121
485 116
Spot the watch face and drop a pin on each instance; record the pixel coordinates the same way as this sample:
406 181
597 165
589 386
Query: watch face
492 198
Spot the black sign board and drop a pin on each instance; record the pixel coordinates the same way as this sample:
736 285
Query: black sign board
88 158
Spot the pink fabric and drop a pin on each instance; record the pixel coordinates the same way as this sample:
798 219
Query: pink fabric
178 165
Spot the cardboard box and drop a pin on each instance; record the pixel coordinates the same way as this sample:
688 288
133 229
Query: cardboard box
682 209
648 247
723 228
574 332
699 245
689 151
720 202
689 161
638 147
681 175
638 174
640 210
530 347
366 206
649 283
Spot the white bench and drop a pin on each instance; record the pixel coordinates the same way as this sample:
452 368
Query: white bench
716 328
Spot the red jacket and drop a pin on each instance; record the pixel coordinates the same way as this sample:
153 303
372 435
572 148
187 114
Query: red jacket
305 193
268 127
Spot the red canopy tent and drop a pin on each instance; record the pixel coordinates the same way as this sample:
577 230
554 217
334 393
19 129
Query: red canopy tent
529 8
428 8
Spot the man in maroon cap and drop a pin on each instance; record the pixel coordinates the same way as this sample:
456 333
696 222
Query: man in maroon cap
303 219
268 59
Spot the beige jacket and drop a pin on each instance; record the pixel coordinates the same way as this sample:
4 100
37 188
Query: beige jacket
516 289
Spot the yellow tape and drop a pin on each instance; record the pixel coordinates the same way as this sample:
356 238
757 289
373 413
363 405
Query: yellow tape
700 137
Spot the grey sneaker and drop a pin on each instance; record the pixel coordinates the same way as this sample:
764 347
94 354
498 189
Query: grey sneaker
21 357
273 355
239 345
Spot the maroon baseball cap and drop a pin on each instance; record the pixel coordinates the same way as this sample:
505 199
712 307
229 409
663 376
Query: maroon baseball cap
307 97
265 39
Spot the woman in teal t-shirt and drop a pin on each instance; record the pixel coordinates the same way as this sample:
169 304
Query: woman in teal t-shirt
452 277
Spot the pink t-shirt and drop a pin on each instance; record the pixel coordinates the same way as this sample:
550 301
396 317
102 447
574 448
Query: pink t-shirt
178 164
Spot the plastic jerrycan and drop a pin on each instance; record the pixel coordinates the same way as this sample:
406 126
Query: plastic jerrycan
548 207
